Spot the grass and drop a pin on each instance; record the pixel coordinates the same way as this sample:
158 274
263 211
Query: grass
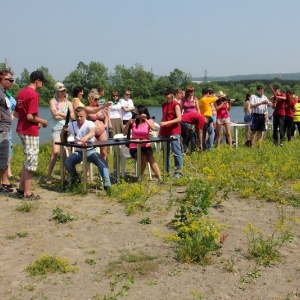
50 264
27 206
133 263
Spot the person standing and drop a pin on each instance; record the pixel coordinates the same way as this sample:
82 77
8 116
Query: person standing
77 97
6 82
115 114
59 107
96 113
27 112
247 120
296 116
223 107
127 107
289 115
206 110
258 104
170 127
278 115
189 103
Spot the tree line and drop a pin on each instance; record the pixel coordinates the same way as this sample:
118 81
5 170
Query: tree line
145 86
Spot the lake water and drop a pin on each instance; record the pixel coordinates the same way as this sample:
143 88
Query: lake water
236 115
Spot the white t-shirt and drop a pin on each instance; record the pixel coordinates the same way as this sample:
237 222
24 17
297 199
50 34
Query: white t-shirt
126 115
114 111
78 133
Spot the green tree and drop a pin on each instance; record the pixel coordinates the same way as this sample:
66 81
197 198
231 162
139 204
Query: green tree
179 79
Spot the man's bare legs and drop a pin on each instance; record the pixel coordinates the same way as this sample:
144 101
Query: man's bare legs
26 181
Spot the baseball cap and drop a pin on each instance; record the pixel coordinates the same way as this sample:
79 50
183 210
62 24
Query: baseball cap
59 87
168 90
38 75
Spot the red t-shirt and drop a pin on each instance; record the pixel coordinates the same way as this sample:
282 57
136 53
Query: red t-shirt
279 109
289 108
194 118
168 113
27 103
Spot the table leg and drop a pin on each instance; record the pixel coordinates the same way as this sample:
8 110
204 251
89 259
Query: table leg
236 136
84 165
165 157
117 161
62 169
139 164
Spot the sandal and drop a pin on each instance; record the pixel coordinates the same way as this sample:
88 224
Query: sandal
5 189
32 197
9 186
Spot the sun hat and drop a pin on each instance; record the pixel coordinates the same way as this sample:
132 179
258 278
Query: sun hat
59 87
220 94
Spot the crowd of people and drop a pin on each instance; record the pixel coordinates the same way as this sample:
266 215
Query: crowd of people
186 120
285 117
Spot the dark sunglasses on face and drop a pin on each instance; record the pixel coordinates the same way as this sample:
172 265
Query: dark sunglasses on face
10 79
127 94
115 95
96 99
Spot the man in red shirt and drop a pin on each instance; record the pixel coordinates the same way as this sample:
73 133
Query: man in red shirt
194 118
27 112
278 115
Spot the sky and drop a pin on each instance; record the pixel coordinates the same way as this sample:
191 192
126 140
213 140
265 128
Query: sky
223 37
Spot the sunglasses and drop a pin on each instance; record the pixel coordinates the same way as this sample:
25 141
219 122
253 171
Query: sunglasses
127 94
115 95
10 79
96 99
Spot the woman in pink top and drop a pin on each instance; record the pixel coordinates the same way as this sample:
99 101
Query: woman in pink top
223 107
141 127
189 102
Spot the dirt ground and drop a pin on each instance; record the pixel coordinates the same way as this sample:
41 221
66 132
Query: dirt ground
102 232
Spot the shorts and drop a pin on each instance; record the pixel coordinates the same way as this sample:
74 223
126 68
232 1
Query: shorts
223 121
56 134
125 122
146 150
4 150
247 118
31 151
258 122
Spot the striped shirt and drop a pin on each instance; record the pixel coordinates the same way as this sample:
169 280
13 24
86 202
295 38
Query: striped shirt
255 99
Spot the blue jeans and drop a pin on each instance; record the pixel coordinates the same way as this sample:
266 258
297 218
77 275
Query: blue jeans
92 157
176 149
211 137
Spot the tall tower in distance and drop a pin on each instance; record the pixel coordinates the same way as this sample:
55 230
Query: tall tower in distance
205 76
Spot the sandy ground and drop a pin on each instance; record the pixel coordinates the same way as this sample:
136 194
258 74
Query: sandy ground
102 231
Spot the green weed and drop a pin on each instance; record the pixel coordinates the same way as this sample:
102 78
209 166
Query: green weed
265 249
60 217
120 287
27 206
133 263
50 264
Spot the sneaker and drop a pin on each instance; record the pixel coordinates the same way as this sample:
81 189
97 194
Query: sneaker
177 175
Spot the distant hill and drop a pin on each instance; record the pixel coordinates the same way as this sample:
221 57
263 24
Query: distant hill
287 76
